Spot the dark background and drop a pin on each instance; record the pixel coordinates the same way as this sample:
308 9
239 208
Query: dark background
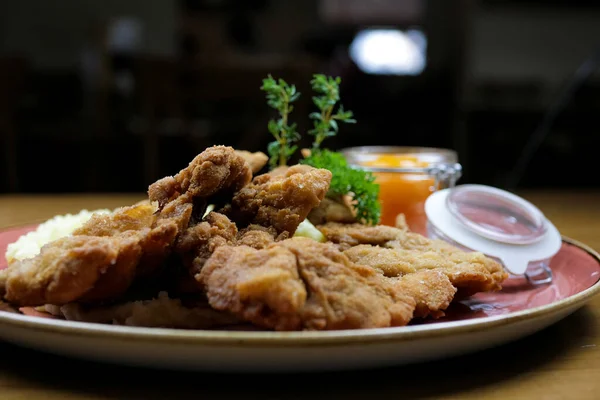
81 110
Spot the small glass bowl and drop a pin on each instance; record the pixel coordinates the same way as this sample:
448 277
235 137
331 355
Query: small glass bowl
406 177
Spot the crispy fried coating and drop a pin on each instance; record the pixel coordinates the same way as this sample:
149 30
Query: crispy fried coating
281 201
259 237
115 279
260 286
100 261
158 234
390 262
431 289
196 244
343 295
217 170
302 284
134 218
64 270
470 272
348 235
398 250
331 210
159 229
256 160
162 311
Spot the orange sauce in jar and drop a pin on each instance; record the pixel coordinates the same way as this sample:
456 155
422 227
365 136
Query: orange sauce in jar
401 192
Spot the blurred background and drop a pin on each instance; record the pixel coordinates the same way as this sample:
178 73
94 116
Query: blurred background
108 96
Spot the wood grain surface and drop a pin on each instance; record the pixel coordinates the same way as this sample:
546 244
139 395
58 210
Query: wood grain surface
561 362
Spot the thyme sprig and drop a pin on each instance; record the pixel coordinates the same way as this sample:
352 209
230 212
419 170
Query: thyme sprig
325 121
280 96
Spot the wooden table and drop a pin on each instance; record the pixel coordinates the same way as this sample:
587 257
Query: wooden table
561 362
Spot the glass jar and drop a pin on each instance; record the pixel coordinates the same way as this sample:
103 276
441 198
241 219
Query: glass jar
406 177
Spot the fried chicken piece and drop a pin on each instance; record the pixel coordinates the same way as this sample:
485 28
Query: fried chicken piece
101 260
331 210
282 201
260 286
172 220
431 289
302 284
64 270
160 231
161 312
134 218
470 272
348 235
115 279
256 160
391 262
259 237
343 295
196 244
217 170
199 241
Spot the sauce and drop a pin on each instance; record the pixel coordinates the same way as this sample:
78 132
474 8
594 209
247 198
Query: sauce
402 193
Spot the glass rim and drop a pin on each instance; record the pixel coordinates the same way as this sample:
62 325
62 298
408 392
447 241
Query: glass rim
442 159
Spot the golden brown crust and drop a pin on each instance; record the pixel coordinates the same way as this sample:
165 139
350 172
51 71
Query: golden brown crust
432 290
301 284
123 219
256 160
470 272
100 261
280 201
348 235
116 278
63 271
196 244
217 170
260 286
331 210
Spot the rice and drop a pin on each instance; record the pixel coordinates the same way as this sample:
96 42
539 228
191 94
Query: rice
59 226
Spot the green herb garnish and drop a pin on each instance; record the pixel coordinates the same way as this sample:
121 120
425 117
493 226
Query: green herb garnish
358 184
280 95
325 121
346 181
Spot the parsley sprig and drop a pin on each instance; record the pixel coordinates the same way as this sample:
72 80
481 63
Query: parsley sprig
280 95
358 184
325 120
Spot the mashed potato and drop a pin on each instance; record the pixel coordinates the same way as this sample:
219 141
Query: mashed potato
29 245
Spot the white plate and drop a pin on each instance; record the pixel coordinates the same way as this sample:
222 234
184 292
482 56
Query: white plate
245 351
273 351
